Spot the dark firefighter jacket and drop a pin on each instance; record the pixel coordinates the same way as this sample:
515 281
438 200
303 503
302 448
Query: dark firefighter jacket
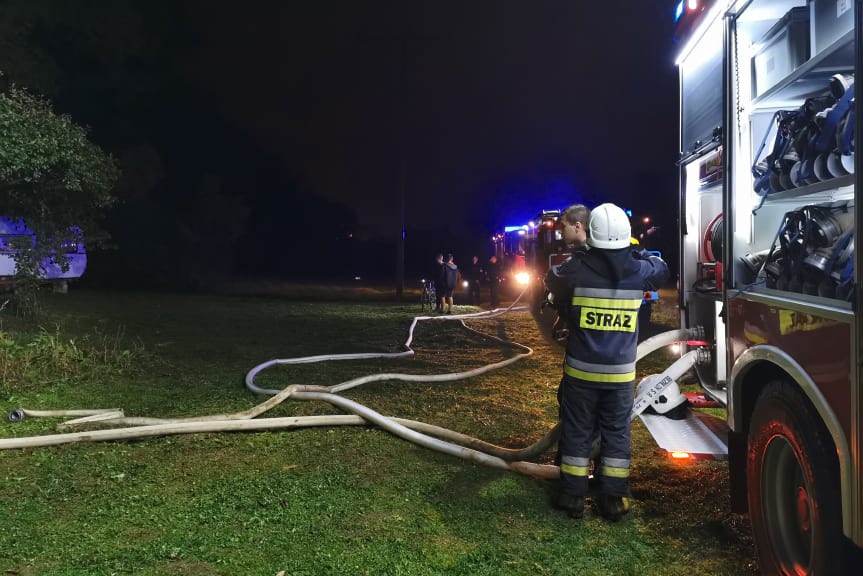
600 292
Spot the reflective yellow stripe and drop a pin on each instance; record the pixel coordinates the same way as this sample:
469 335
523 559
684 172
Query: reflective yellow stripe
614 472
619 304
608 320
598 376
574 470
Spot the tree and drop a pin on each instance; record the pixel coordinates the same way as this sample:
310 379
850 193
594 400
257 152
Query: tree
53 178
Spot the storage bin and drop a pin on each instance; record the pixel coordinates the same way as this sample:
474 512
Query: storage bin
781 50
830 19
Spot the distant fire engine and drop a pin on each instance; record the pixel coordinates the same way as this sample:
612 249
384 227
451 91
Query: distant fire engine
532 249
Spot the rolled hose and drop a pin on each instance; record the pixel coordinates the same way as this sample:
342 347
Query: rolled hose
422 434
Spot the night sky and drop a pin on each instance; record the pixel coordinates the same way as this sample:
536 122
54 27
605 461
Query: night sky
501 108
308 122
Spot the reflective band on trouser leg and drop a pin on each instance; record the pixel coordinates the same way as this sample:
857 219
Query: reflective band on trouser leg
615 467
575 466
614 474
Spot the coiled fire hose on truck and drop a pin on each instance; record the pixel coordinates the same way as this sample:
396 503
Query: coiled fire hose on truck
422 434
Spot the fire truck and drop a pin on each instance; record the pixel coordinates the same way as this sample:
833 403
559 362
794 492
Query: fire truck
768 270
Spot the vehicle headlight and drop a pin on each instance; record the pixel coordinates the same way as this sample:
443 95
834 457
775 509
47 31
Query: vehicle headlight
522 278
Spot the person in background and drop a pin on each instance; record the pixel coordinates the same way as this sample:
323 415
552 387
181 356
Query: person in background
574 221
600 291
573 224
473 275
493 279
450 274
438 276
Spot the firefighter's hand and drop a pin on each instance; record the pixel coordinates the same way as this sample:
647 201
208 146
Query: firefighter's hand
560 330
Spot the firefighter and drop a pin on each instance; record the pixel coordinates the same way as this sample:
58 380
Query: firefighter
439 281
450 281
492 272
473 274
602 290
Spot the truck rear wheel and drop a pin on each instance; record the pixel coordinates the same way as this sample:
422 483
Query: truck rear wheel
793 487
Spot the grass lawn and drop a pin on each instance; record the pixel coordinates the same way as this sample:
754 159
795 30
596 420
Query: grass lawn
317 501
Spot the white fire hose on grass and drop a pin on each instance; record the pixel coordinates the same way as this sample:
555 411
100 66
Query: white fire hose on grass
422 434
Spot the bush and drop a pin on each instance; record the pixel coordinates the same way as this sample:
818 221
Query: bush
54 179
48 359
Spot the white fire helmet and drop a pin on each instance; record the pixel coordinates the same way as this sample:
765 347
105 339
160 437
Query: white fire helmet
670 397
609 227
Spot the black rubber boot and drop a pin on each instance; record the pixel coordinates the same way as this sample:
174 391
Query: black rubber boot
574 505
612 508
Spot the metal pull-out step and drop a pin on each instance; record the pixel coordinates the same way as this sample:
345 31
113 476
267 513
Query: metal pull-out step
699 435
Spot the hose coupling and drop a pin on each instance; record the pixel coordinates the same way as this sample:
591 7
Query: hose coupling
16 415
696 333
702 356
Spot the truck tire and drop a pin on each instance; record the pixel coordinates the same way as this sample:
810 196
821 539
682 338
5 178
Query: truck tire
792 476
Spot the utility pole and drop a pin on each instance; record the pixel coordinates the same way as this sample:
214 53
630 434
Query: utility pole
402 108
400 246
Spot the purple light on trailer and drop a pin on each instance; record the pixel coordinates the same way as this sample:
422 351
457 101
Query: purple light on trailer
73 250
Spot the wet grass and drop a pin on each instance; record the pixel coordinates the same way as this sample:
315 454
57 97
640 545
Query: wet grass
323 501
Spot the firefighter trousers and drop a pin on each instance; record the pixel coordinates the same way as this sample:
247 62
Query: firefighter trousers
584 412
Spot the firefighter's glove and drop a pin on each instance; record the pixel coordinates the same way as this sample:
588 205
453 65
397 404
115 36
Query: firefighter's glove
547 299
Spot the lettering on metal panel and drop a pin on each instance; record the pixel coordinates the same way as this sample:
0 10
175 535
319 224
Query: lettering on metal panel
791 321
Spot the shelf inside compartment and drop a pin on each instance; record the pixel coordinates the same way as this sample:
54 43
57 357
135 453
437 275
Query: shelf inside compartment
813 76
832 185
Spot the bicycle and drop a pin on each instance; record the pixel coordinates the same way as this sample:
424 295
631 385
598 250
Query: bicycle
429 296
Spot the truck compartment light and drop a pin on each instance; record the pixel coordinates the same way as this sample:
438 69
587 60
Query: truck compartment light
714 13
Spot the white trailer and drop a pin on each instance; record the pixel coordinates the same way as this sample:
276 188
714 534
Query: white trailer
13 232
